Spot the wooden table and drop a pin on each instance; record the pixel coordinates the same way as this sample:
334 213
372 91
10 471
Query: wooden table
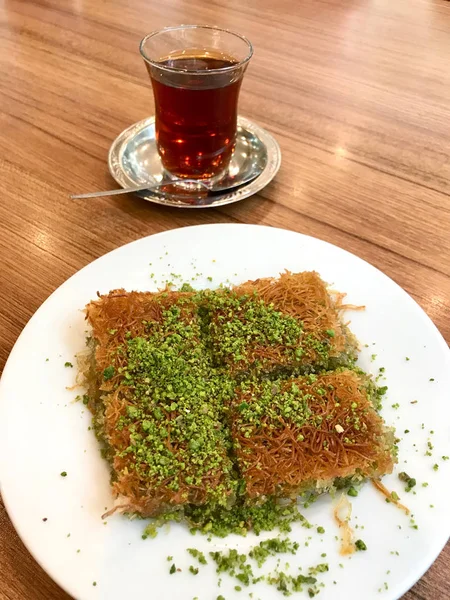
356 91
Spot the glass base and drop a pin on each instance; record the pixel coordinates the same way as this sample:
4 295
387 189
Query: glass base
193 184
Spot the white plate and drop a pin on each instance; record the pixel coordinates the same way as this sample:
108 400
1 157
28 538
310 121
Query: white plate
42 432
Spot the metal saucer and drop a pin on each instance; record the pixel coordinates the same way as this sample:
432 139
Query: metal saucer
133 160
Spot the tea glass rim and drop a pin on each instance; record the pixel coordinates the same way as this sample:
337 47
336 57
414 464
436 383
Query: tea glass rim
155 63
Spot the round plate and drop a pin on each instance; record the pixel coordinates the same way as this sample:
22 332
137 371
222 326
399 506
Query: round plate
134 160
43 432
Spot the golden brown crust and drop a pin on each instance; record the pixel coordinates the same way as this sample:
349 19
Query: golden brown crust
306 297
271 464
350 439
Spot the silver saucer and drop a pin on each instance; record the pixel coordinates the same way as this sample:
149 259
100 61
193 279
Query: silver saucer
133 160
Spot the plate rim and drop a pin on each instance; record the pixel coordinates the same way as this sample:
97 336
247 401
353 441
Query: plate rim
252 187
54 573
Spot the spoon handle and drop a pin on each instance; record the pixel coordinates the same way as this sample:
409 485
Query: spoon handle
204 188
140 188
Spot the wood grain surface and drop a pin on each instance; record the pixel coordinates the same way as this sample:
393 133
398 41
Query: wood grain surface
357 93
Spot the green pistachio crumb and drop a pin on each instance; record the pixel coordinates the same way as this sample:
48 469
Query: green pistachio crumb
150 531
63 473
198 555
172 569
108 373
68 364
322 568
360 545
352 492
410 481
272 547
